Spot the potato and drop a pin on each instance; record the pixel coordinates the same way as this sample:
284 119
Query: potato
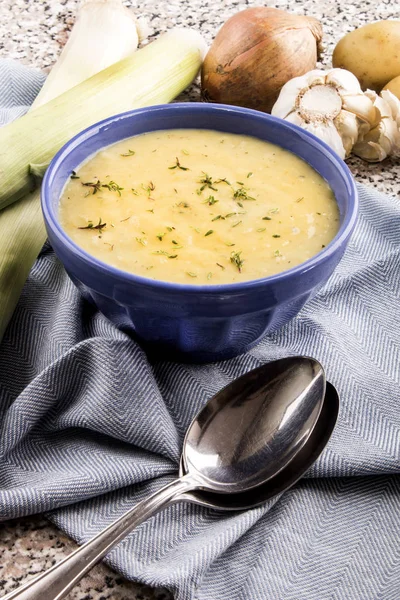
394 86
371 53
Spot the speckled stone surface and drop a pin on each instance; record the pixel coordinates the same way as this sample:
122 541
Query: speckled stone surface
31 31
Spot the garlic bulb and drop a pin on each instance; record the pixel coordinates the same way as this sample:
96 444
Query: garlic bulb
384 138
329 104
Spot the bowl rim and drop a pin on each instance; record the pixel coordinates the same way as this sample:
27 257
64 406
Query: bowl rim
52 221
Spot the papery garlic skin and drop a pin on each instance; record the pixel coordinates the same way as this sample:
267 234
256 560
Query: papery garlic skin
383 139
329 104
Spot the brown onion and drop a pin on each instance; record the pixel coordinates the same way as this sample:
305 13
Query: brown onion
255 53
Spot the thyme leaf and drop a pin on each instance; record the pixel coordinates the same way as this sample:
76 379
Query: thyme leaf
178 165
241 193
237 261
113 187
129 153
90 225
210 201
96 186
207 182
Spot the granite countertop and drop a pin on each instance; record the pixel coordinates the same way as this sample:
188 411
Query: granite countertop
31 31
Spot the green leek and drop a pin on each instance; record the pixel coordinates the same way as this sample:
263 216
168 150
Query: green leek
22 231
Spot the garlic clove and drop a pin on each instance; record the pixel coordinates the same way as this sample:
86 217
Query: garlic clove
380 104
344 80
362 106
394 104
347 125
287 98
380 142
315 77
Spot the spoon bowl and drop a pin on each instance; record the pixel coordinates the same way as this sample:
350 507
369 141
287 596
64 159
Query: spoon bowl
251 430
286 478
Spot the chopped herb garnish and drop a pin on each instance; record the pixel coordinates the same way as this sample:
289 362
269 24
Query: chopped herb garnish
142 241
185 152
242 193
230 215
150 210
150 188
113 187
178 165
175 190
323 246
175 242
129 153
229 244
74 175
221 266
191 274
209 232
240 182
275 235
160 236
197 230
96 186
240 204
319 214
134 192
236 224
111 246
170 228
161 252
184 204
277 253
223 180
261 230
267 219
209 275
273 211
217 218
237 260
300 199
90 225
249 175
126 219
172 255
210 201
207 181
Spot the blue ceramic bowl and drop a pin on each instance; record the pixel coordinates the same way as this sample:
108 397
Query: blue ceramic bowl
198 323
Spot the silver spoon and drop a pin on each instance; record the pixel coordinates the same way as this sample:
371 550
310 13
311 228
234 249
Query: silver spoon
245 437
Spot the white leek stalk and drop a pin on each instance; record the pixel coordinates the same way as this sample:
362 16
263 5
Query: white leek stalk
105 31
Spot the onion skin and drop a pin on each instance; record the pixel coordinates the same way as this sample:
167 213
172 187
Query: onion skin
255 53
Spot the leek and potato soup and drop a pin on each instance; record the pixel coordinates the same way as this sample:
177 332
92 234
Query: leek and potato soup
198 206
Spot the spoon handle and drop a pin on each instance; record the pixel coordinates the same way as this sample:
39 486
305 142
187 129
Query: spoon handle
58 581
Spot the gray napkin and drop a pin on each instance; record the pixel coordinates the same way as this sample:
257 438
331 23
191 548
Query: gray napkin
89 425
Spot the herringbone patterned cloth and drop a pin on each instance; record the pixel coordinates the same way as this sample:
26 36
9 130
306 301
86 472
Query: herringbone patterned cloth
89 425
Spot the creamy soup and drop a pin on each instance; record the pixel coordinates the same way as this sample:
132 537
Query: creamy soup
198 206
